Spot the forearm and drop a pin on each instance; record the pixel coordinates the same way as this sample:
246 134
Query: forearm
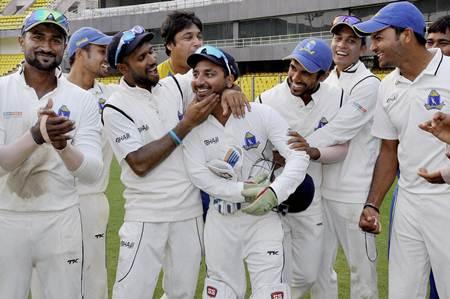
13 154
386 168
150 155
333 154
86 167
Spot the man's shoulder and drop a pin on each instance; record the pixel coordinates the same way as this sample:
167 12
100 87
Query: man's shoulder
273 94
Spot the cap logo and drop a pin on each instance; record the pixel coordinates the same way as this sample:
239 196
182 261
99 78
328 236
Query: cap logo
309 47
83 40
51 17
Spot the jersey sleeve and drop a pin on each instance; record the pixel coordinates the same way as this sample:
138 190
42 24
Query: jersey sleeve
88 141
297 162
2 142
184 82
205 179
357 111
382 126
122 133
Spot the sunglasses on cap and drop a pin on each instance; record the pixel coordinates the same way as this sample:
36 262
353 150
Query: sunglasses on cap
350 20
45 15
126 38
208 50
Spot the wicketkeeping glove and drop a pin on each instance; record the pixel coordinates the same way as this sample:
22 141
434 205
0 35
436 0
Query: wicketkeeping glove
262 200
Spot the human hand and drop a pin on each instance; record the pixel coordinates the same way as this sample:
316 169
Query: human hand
439 126
236 101
369 221
434 177
298 143
199 110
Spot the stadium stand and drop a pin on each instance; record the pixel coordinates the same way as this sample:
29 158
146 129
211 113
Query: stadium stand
9 63
3 4
110 80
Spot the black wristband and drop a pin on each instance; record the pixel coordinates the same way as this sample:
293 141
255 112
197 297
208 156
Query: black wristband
37 137
371 205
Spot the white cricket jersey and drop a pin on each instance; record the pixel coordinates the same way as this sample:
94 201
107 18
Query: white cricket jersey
101 92
402 105
165 194
42 182
305 119
349 180
254 134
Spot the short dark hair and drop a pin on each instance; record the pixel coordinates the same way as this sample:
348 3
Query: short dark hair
441 25
72 59
176 22
420 39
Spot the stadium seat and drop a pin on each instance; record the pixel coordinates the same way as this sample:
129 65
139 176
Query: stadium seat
9 63
3 4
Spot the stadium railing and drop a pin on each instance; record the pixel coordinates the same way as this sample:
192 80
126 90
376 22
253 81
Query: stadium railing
144 8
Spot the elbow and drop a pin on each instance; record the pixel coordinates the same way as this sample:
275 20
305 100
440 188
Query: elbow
89 171
139 171
138 166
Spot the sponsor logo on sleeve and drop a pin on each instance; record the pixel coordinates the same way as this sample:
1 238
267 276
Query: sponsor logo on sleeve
359 107
122 138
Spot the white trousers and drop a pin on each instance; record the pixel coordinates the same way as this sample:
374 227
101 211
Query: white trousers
232 239
94 210
341 227
47 241
145 247
303 243
420 240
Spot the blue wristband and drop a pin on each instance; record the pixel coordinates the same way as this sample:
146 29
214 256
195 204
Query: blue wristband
175 137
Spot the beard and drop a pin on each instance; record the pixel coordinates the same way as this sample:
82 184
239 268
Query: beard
50 66
147 82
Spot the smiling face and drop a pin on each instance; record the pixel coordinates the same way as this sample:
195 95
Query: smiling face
94 59
209 78
346 47
439 40
301 82
140 67
43 46
388 47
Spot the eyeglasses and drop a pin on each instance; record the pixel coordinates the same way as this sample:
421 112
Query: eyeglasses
208 50
46 15
126 38
350 20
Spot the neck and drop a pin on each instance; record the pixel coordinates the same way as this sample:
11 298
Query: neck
341 67
178 68
133 83
41 81
81 77
414 63
218 114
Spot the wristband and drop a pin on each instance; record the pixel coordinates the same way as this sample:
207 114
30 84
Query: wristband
175 137
371 205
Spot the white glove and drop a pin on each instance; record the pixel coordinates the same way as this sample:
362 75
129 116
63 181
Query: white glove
222 169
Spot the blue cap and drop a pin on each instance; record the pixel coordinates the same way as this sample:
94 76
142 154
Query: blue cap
399 14
85 36
48 16
313 54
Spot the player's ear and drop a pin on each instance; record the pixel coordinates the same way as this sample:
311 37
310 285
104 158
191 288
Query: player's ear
229 81
21 39
122 68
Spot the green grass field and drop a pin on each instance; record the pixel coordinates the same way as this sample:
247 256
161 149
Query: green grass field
116 202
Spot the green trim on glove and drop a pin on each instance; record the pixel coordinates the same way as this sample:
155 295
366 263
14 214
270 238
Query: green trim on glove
262 200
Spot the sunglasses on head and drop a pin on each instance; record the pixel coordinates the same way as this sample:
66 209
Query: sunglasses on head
208 50
126 38
45 14
350 20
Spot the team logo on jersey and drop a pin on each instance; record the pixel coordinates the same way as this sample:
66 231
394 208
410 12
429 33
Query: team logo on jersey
101 105
12 114
434 101
211 291
322 122
64 111
277 295
250 141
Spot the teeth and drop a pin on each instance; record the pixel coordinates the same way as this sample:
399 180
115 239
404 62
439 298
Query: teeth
341 53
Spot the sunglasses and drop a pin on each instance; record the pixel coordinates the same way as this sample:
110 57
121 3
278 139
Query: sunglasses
126 38
350 20
208 50
46 15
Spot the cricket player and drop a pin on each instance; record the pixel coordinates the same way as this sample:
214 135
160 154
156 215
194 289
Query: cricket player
345 185
182 34
307 104
220 155
145 121
410 95
439 35
87 57
49 136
